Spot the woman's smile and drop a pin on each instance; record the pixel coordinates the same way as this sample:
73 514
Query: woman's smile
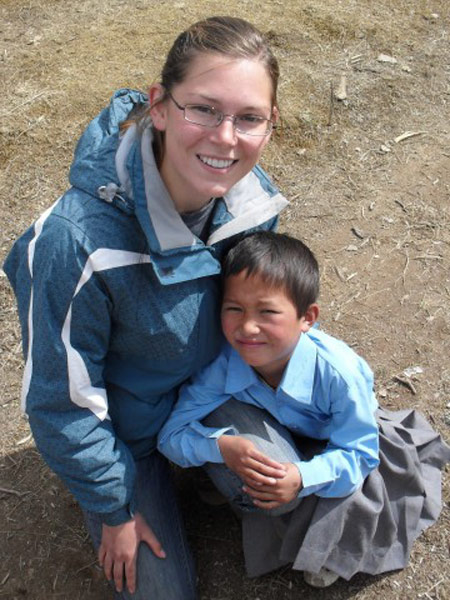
217 163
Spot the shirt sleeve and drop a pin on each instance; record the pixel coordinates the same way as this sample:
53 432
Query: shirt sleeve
65 314
183 438
352 451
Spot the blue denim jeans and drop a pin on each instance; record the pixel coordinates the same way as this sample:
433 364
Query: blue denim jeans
268 435
172 578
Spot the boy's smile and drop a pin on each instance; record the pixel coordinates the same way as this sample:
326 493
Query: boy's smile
262 324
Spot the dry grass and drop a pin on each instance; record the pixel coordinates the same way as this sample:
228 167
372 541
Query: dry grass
375 211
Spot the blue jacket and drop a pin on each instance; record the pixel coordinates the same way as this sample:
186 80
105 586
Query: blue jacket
118 303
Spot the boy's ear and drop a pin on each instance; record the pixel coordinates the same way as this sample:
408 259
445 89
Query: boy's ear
310 317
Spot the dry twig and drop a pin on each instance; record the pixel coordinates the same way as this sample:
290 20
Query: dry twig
406 382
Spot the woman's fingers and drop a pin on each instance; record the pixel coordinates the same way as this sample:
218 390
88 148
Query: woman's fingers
152 541
118 572
106 562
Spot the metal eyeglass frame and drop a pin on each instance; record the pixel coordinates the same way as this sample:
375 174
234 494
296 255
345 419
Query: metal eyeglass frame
271 125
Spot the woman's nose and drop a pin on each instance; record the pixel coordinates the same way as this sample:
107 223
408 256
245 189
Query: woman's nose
226 132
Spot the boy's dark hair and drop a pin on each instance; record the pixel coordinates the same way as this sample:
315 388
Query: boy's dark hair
281 261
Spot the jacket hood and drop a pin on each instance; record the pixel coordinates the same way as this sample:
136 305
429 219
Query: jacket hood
94 164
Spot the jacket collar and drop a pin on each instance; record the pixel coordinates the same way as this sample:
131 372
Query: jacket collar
249 203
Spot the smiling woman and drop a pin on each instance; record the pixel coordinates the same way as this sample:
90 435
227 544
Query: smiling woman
200 161
117 288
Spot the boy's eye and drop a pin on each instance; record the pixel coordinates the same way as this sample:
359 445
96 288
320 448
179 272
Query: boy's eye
231 309
271 311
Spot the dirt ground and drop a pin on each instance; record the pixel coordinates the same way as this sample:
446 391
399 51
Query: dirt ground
368 178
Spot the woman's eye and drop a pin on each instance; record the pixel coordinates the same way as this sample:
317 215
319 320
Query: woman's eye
254 119
202 109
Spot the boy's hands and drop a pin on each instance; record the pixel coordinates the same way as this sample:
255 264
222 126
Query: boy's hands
284 491
268 482
253 467
119 547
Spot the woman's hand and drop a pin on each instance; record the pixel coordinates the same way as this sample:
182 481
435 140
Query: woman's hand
253 467
284 491
119 547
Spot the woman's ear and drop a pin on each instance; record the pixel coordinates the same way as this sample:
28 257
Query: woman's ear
158 106
310 317
276 119
275 114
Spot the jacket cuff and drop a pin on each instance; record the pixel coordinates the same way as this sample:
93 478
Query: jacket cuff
119 516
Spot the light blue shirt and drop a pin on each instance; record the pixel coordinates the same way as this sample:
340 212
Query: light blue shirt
326 393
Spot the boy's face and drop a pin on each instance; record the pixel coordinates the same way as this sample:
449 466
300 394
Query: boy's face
262 324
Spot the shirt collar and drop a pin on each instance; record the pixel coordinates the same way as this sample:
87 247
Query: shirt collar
239 375
298 378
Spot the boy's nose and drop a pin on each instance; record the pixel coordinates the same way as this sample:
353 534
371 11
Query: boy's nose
250 327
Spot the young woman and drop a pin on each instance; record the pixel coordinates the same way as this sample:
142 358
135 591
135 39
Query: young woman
117 288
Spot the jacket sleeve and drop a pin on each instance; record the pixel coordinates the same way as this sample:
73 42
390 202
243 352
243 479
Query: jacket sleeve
183 438
352 450
65 314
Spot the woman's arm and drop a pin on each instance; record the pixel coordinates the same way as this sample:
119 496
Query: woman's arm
65 312
66 327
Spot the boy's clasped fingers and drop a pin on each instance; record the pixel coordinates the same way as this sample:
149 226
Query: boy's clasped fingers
265 499
254 467
260 474
284 490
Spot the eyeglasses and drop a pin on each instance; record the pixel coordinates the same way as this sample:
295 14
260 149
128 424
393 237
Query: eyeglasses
208 116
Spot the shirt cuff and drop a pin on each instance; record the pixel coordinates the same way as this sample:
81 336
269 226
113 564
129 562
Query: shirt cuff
312 478
208 449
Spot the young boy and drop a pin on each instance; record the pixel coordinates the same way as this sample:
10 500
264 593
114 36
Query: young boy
302 382
351 496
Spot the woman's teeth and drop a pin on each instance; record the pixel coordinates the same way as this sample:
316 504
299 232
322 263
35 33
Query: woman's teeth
216 163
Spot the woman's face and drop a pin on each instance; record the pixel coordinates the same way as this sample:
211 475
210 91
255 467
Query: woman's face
200 163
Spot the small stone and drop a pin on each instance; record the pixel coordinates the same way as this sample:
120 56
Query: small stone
340 92
410 371
386 59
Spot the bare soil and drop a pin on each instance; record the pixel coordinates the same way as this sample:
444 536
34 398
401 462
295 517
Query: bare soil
368 178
